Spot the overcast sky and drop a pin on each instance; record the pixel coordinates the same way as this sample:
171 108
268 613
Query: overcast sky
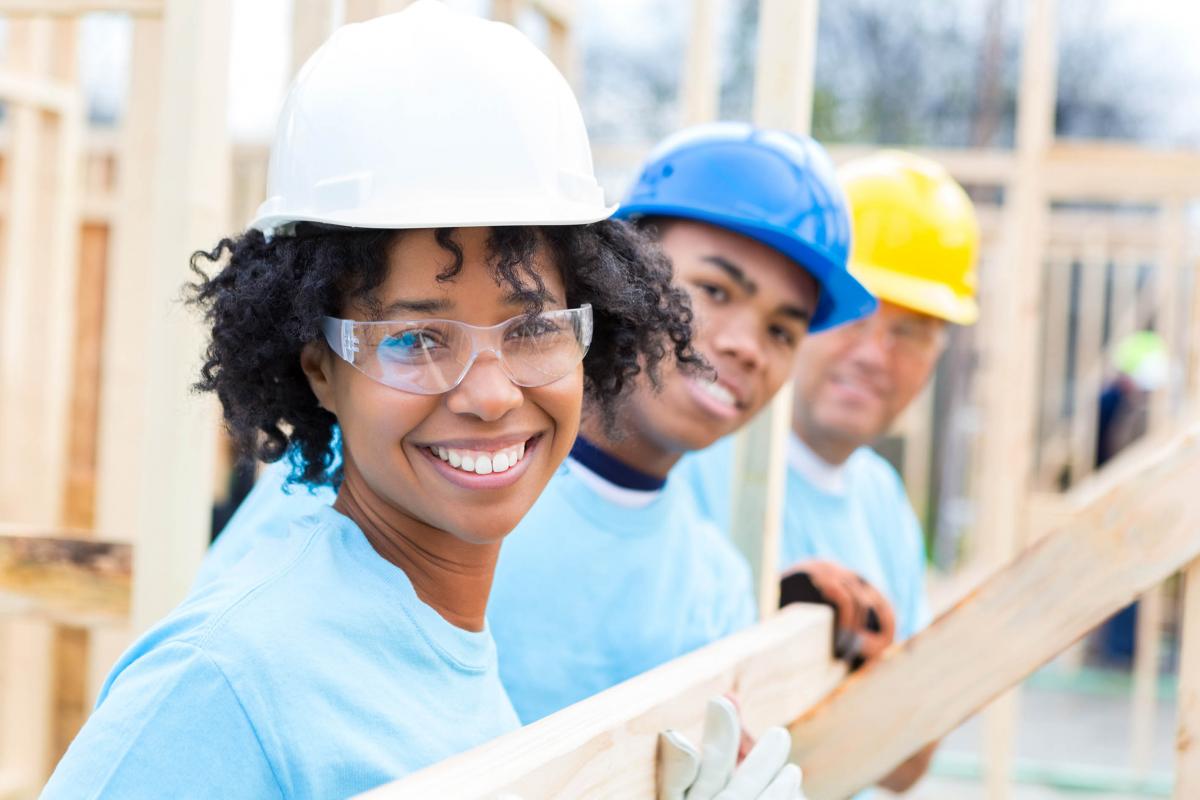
1166 33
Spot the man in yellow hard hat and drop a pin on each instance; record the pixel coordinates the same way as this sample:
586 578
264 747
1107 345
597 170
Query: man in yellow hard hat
915 239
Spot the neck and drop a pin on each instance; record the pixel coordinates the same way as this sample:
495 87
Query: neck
832 450
452 576
632 448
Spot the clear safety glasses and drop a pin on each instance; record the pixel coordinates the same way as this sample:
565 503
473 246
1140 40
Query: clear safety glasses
432 356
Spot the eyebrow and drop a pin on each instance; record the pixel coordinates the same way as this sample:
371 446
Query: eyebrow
739 276
797 313
734 271
421 306
442 305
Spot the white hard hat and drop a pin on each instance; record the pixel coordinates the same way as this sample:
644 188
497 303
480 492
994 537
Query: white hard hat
430 118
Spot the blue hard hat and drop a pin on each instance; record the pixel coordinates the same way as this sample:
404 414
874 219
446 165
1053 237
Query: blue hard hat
772 186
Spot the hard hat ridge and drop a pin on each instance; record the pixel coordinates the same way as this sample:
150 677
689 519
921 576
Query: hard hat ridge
430 118
769 185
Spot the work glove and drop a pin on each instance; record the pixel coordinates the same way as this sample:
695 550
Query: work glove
765 774
864 622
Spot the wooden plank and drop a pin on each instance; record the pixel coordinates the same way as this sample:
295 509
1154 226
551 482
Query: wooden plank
1090 360
75 8
40 264
760 483
1147 655
1135 525
1187 742
560 45
361 10
782 99
605 746
79 581
37 92
785 64
71 706
80 492
312 22
173 472
1053 432
124 371
26 650
1012 320
701 84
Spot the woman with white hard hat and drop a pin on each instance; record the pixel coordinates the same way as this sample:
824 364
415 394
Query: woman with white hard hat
425 275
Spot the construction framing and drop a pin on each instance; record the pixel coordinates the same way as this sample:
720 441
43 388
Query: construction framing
128 531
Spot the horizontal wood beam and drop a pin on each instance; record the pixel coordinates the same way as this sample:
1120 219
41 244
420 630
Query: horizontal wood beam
1134 525
70 579
73 8
605 746
41 93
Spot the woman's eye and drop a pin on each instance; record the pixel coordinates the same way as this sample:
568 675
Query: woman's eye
410 341
714 292
532 329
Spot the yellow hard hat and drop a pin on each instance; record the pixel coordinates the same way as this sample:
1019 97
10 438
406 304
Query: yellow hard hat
915 236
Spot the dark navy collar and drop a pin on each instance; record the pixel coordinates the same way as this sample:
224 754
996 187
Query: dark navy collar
615 472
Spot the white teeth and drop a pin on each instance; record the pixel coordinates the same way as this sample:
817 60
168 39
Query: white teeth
481 462
719 393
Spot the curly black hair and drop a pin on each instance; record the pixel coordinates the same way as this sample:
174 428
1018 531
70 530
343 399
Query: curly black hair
268 299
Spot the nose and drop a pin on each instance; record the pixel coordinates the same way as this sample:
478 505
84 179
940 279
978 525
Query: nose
739 336
485 391
872 348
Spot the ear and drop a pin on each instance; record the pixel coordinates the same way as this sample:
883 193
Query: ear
316 359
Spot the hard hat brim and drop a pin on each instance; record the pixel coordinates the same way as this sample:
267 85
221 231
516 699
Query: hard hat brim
460 215
918 294
842 298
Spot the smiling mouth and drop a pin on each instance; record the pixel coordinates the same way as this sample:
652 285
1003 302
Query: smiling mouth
482 462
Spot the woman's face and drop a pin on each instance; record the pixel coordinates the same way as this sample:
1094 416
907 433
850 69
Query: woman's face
396 440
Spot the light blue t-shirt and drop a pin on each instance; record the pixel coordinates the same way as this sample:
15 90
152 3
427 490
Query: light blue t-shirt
309 669
857 515
590 591
267 513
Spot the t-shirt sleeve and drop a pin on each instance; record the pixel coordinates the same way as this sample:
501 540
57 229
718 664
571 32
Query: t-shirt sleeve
170 726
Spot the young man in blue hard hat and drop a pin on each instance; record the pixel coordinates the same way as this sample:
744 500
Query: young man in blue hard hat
915 244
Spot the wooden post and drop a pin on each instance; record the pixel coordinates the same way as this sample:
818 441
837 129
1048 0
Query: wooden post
360 10
1090 360
782 99
312 22
786 64
125 372
37 339
701 85
1187 745
1013 318
560 18
1146 657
